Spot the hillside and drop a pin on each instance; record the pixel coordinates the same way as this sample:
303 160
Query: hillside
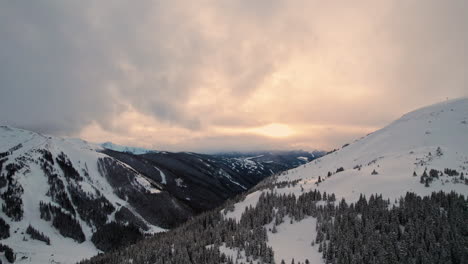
68 190
390 162
434 137
206 181
397 195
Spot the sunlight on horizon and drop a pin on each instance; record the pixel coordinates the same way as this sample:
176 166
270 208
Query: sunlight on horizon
274 130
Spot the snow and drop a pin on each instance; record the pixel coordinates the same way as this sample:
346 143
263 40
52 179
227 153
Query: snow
146 184
254 157
163 176
246 163
294 241
239 208
232 252
180 183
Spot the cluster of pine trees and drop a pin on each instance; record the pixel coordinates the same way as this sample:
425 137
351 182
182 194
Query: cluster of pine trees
13 204
93 209
288 184
57 190
9 253
37 235
4 229
67 225
67 167
431 229
456 177
115 235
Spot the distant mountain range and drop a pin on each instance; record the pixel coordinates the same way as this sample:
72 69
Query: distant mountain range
120 148
67 199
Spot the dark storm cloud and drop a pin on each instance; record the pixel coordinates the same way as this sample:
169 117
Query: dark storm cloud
61 65
65 64
46 80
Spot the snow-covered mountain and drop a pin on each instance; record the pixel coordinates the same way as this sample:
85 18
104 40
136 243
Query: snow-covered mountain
255 162
67 199
391 162
298 216
120 148
68 190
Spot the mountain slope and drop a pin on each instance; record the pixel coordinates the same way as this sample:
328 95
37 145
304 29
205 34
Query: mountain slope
205 181
300 215
434 137
390 162
63 188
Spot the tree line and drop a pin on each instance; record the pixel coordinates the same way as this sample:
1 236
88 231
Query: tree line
431 229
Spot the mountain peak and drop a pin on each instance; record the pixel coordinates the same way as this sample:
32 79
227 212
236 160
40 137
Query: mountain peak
432 137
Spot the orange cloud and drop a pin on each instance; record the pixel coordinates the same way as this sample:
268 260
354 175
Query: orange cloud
227 74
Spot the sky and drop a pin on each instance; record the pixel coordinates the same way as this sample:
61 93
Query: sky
222 75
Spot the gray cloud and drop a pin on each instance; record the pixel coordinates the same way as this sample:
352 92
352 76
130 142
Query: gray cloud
66 65
52 67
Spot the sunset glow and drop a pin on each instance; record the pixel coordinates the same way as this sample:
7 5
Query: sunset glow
273 130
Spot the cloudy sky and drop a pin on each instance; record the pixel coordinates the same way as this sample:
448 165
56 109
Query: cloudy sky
214 75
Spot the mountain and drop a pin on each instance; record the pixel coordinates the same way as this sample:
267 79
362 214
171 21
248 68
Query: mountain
206 181
68 190
397 195
120 148
274 160
389 162
67 199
